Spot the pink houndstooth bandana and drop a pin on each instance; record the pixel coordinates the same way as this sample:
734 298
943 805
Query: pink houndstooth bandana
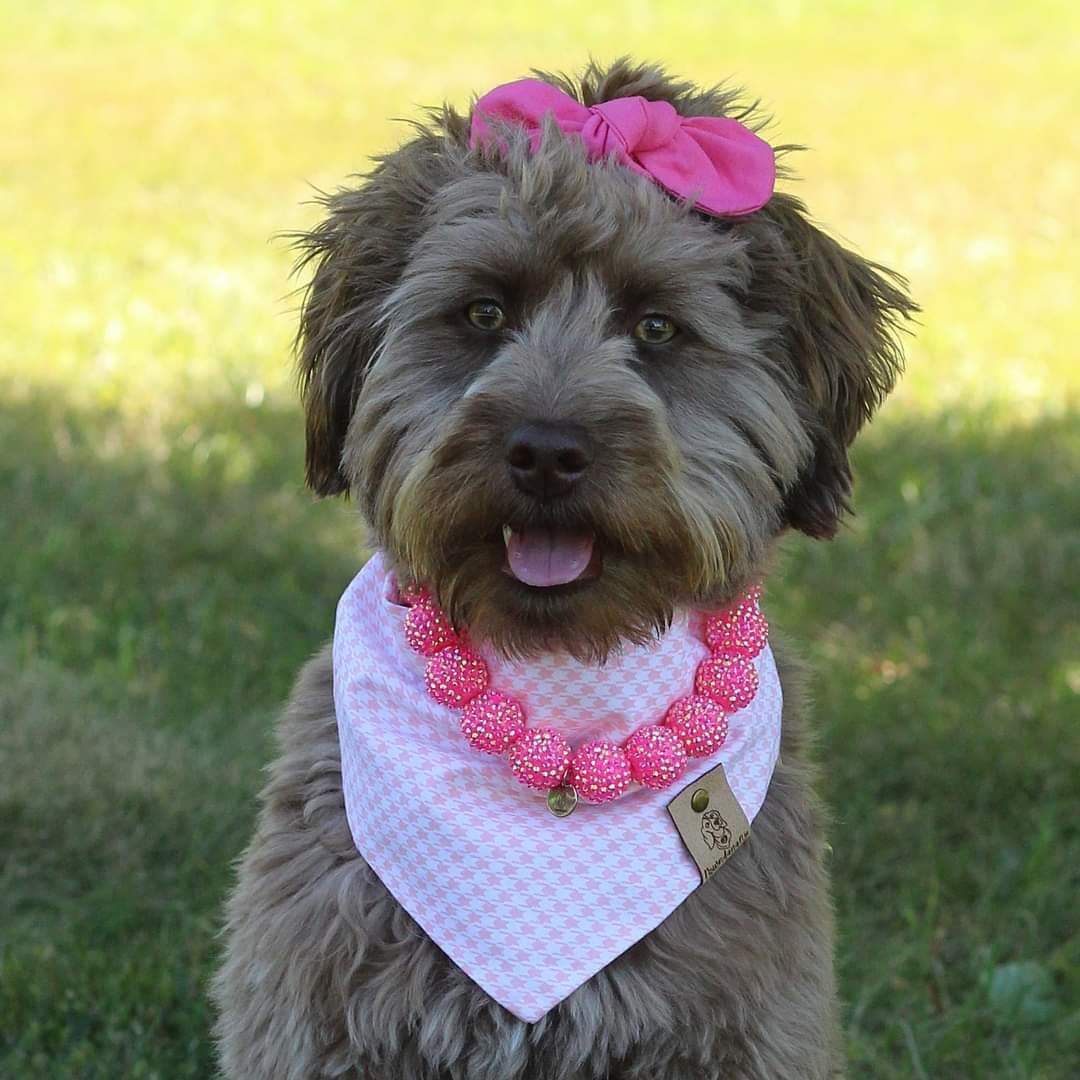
472 855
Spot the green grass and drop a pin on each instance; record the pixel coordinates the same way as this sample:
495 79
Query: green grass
164 573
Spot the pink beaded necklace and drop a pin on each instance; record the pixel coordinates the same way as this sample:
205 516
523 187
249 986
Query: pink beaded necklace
653 756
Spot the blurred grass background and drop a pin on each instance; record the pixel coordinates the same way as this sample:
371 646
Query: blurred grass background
163 573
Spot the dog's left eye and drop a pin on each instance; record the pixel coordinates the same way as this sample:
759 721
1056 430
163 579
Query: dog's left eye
485 315
655 330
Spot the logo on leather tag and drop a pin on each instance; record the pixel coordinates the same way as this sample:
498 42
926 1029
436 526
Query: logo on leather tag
710 821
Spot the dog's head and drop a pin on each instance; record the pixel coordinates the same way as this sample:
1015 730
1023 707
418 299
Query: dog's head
715 831
566 401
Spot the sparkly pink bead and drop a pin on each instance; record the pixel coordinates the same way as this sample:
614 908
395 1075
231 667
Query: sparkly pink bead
411 594
540 757
600 771
730 681
699 723
741 630
427 629
455 676
657 756
492 721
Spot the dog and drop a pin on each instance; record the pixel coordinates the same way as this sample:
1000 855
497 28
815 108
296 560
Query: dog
573 400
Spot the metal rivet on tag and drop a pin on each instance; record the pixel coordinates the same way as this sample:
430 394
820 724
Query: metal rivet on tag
698 801
562 800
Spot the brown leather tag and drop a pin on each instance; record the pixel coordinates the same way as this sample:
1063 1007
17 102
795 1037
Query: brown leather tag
710 821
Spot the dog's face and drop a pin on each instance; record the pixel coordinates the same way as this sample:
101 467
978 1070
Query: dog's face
569 404
715 831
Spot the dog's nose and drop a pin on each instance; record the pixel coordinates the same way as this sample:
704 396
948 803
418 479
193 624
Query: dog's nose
547 459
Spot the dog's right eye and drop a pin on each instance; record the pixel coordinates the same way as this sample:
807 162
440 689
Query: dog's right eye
485 315
655 329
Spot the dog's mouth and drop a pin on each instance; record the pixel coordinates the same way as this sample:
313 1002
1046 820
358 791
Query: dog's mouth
544 557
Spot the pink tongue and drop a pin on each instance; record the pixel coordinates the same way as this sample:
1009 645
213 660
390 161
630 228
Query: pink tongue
548 556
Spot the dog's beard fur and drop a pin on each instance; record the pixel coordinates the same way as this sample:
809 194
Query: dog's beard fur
706 447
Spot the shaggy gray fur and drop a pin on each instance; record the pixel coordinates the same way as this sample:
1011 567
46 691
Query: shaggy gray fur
707 449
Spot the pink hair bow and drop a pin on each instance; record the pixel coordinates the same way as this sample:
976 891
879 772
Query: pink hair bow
717 161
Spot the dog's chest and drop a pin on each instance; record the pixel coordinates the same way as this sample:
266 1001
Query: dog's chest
527 904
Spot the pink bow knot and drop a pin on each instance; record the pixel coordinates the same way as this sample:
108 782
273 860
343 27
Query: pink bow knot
718 162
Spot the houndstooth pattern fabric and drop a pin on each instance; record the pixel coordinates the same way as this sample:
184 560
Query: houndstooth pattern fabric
528 905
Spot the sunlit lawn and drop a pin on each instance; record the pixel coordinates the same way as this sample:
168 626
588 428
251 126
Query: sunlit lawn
164 574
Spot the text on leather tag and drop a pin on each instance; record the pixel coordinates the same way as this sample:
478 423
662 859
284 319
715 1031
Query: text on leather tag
710 821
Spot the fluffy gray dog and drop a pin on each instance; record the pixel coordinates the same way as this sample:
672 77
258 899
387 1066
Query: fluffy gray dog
512 333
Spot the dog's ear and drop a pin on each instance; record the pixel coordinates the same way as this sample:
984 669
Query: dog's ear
358 251
840 318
